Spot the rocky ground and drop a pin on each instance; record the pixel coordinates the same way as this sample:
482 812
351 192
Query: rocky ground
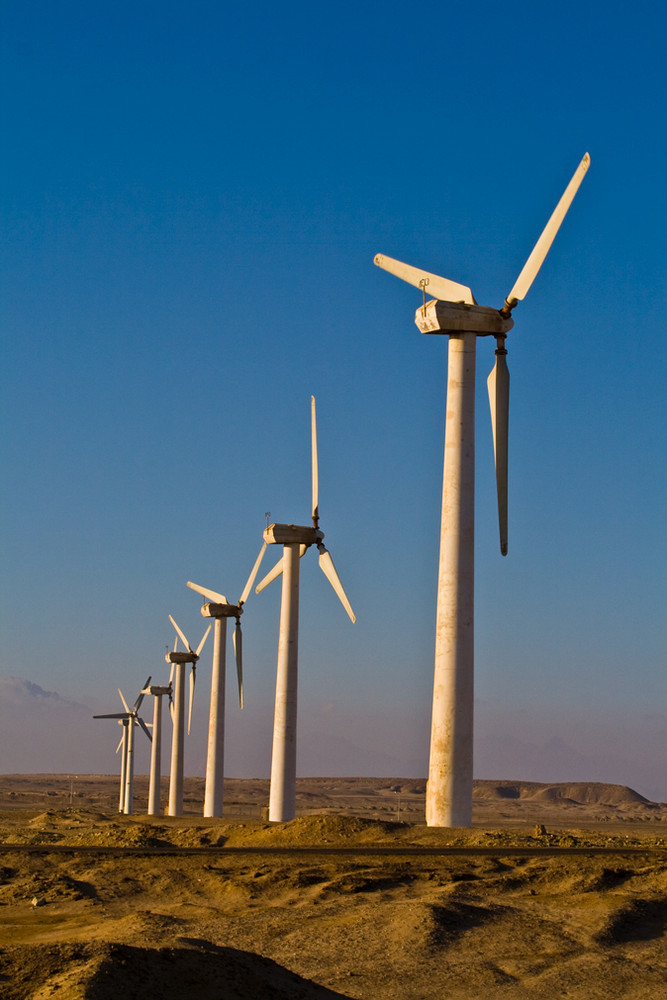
230 925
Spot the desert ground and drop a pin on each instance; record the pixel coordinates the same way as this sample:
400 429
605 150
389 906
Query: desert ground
355 898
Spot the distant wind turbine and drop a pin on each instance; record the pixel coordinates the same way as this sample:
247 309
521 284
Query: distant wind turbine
178 661
220 609
157 693
454 313
128 719
295 540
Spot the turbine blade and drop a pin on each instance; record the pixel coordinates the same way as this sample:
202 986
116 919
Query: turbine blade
171 672
277 570
498 384
253 574
541 248
201 644
139 700
182 635
145 728
329 570
237 640
212 595
113 715
193 677
433 285
120 743
313 449
125 704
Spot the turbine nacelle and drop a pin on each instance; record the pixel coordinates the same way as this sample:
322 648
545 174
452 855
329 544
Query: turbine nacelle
178 657
437 316
292 534
213 610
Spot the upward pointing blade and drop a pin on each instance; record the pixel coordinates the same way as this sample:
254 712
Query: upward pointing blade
139 700
125 704
498 384
212 595
313 447
237 641
201 644
432 284
329 570
541 248
253 574
182 635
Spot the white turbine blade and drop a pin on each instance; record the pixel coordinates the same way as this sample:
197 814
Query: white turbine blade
120 743
253 574
125 704
193 677
498 384
276 571
182 634
145 728
313 449
201 644
329 570
171 673
212 595
237 640
541 248
433 285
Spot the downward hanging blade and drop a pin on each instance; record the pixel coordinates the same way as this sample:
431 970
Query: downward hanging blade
498 384
253 574
145 728
212 595
237 641
182 635
120 742
313 450
193 678
329 570
201 644
432 285
276 571
541 248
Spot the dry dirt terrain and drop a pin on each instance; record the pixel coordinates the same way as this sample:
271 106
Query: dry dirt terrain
354 899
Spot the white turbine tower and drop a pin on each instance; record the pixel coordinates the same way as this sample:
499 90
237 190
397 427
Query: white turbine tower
295 540
454 313
158 693
178 661
220 609
128 719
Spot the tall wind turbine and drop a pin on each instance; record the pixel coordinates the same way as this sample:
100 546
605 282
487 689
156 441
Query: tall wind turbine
295 540
158 692
178 661
454 313
129 719
220 609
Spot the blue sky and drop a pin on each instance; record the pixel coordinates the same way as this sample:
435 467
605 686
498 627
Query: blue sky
192 197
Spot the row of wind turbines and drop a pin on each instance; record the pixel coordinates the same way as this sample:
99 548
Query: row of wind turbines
453 312
295 541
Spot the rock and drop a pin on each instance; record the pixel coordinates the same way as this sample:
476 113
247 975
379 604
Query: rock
38 901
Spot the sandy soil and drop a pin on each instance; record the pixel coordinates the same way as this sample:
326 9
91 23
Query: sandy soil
223 924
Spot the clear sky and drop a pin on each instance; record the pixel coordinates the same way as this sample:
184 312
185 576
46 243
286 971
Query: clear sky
192 196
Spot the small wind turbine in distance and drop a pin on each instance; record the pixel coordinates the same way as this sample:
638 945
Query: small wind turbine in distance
156 748
454 313
220 609
128 719
295 540
178 661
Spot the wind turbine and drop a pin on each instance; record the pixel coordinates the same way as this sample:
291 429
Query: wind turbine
454 313
220 609
128 719
156 749
295 539
178 661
